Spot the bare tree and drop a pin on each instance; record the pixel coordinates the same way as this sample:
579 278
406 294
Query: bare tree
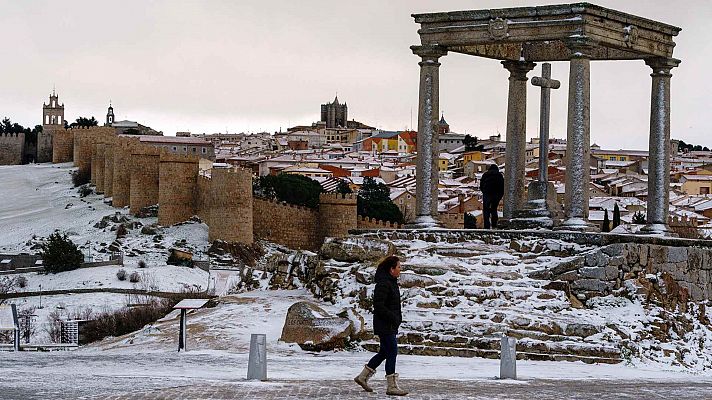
7 285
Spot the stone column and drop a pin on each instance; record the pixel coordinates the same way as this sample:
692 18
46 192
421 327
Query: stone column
659 159
427 142
515 158
578 142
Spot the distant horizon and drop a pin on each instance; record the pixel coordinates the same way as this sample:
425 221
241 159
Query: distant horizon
259 66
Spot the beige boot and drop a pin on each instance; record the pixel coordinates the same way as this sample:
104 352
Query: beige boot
363 377
393 388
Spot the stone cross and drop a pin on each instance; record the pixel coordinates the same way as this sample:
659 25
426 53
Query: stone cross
546 84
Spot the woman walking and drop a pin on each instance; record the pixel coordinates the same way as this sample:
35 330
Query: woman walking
386 319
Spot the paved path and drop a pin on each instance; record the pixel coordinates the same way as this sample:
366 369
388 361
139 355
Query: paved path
431 390
93 375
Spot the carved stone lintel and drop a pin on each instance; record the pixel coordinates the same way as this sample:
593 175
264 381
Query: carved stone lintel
498 28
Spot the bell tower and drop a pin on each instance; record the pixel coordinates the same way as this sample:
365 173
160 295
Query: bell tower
110 115
52 121
53 113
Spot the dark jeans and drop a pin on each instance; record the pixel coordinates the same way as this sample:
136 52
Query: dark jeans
387 351
489 211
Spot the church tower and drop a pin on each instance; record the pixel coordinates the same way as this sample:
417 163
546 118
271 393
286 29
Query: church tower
52 121
110 116
334 114
443 126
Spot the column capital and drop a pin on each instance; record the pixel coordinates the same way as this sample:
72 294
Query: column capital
429 53
661 66
580 47
518 69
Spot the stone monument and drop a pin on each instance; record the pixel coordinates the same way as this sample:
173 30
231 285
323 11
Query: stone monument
519 37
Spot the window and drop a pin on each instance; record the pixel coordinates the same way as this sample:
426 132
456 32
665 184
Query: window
194 150
175 148
614 158
704 190
205 150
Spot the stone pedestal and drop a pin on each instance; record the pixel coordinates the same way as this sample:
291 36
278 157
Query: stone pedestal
541 210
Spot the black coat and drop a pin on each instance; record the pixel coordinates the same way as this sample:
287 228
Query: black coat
386 304
492 184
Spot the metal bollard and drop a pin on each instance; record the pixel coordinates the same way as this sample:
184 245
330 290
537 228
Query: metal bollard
257 365
508 358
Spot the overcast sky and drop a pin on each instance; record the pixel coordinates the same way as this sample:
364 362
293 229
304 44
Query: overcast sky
249 65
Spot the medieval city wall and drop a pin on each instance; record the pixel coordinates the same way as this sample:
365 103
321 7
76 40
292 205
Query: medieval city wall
229 205
121 186
44 143
62 146
177 182
203 197
452 220
11 147
97 166
293 226
109 166
144 177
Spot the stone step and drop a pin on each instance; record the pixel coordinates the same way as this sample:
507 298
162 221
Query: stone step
428 350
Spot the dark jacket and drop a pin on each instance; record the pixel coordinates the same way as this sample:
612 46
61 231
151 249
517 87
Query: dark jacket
386 304
492 183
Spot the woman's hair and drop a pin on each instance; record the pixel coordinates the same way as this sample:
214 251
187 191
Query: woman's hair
388 263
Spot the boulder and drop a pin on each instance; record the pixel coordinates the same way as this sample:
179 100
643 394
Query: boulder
357 249
409 280
313 329
358 323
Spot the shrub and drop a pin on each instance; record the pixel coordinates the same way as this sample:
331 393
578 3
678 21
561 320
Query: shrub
60 254
374 201
126 320
85 191
121 231
293 189
639 218
21 282
80 178
141 264
121 274
135 277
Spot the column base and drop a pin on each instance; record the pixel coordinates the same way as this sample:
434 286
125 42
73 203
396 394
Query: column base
577 224
424 222
657 229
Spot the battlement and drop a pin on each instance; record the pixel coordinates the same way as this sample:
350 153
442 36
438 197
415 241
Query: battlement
12 135
371 223
285 204
337 198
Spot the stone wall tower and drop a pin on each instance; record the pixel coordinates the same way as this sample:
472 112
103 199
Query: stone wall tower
52 120
337 214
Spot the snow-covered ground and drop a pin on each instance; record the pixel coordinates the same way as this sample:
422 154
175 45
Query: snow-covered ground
37 203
